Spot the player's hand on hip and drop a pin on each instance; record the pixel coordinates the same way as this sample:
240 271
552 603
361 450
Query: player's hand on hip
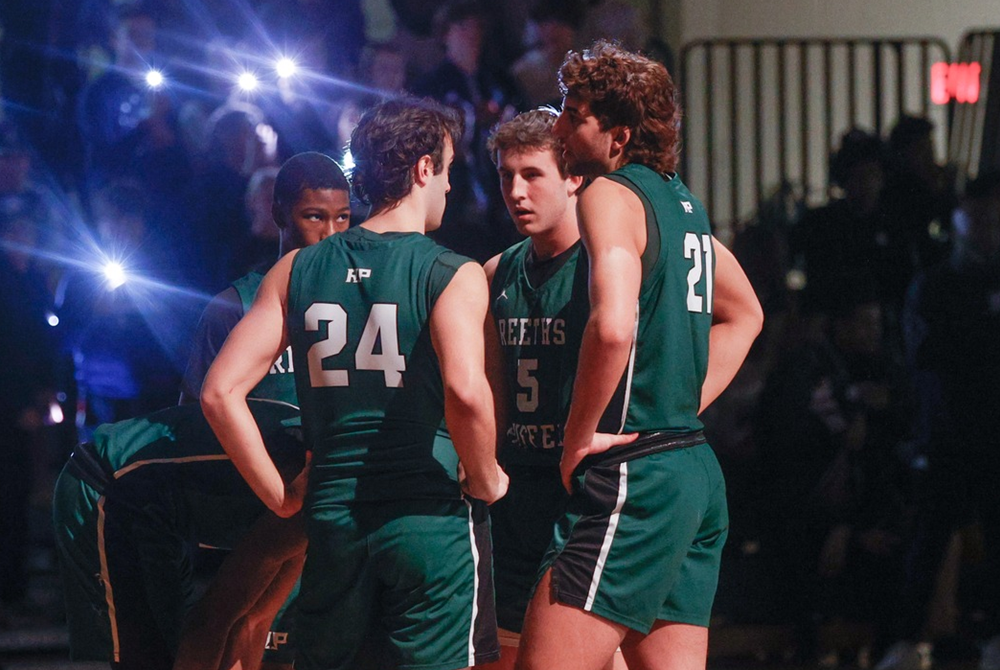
488 493
601 442
295 492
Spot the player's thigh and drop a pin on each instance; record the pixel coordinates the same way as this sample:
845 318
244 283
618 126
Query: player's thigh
693 593
557 636
668 646
619 550
436 610
338 594
510 642
522 523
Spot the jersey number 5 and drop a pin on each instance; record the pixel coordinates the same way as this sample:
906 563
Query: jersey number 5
695 248
380 327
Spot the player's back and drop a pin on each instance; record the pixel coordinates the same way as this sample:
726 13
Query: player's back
661 387
368 379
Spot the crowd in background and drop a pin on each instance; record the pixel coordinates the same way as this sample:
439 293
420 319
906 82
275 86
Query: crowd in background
860 436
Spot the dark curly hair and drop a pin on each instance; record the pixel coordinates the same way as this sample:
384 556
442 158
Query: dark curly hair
626 89
529 131
389 140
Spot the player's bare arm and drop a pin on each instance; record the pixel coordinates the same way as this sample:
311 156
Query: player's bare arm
613 229
494 357
737 319
251 349
457 335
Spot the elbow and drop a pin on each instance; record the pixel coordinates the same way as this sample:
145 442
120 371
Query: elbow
469 396
212 399
612 333
755 318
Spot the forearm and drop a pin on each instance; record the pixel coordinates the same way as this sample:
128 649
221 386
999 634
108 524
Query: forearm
737 319
729 344
234 425
603 358
472 425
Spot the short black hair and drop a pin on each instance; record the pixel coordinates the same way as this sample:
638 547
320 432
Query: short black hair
909 129
856 147
310 170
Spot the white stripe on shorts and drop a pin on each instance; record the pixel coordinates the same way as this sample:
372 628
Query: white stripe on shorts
475 585
609 535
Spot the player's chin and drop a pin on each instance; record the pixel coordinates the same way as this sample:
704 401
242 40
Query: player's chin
525 225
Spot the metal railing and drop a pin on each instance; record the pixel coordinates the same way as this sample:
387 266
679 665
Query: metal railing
762 113
974 142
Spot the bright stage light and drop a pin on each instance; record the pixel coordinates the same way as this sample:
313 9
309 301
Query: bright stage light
154 79
115 274
347 162
286 67
247 81
55 413
52 319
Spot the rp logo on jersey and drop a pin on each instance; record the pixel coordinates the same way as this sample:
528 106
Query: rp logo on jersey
688 207
354 275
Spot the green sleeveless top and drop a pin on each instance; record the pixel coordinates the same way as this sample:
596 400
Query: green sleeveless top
279 384
368 379
539 329
661 387
175 451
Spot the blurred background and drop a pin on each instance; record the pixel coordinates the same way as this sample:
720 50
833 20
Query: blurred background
847 152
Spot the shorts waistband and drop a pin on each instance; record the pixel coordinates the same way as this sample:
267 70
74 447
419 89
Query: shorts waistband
88 468
644 445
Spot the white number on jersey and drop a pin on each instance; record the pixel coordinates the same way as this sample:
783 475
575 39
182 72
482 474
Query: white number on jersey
381 327
527 402
695 248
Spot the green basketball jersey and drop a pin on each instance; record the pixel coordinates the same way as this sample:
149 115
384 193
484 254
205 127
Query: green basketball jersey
661 387
539 329
279 384
368 379
176 448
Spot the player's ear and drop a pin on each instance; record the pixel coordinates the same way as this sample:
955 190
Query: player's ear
423 170
278 214
620 136
573 185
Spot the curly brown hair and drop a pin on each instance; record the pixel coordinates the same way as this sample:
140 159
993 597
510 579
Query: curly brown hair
627 89
389 140
529 131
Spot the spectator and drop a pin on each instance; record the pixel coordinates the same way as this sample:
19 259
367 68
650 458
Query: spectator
920 194
28 381
483 97
121 335
128 128
216 201
830 418
556 23
849 235
952 331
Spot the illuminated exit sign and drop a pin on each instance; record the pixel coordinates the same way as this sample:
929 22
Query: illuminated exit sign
955 81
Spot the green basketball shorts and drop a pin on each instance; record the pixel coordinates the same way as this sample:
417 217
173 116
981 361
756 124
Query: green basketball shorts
408 580
642 539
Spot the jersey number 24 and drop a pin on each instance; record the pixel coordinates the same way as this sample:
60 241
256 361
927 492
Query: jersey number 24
381 327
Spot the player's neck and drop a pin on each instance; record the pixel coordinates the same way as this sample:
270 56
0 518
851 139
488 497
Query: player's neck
553 242
406 216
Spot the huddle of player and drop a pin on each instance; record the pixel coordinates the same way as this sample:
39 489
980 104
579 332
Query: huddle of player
578 360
